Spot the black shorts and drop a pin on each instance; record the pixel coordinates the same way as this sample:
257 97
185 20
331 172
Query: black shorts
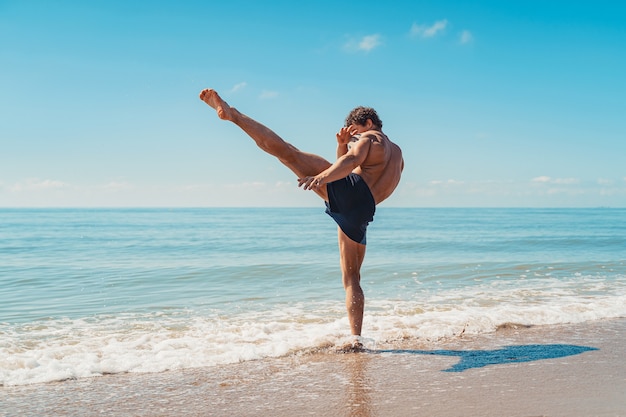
351 205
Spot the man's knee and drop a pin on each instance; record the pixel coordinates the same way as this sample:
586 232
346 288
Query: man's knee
352 281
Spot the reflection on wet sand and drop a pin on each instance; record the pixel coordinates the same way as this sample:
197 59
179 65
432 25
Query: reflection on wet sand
358 399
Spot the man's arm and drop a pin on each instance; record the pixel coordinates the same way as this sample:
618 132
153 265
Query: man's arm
342 167
342 149
344 136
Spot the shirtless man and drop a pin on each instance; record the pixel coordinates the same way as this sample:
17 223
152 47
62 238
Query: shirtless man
367 170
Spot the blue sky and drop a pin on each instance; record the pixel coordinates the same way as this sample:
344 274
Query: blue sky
494 103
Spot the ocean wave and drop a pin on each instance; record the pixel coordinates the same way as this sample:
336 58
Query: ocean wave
61 349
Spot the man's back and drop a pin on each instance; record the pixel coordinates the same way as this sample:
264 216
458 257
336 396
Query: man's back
383 165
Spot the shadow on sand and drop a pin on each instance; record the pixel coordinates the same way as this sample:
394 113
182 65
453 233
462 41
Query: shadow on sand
510 354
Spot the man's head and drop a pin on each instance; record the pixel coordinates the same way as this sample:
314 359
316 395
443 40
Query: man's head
360 115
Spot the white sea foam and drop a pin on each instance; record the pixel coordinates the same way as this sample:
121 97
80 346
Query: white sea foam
151 290
56 350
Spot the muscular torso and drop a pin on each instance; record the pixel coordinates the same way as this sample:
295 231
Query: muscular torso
382 166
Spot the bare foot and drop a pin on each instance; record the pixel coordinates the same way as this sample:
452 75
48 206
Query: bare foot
213 99
353 347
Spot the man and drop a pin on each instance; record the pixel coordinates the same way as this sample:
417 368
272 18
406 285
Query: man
366 172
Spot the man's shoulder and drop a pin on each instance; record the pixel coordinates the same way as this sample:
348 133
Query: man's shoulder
375 136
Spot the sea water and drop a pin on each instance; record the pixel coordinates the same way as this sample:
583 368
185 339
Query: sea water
87 292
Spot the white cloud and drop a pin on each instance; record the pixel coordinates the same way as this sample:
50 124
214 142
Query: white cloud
267 94
562 181
252 185
567 191
466 37
566 181
369 42
542 179
541 191
284 184
117 186
238 87
428 31
447 182
366 43
37 184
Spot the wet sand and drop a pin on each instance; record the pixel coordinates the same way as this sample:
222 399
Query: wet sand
573 370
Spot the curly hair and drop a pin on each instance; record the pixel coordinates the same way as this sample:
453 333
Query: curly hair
359 115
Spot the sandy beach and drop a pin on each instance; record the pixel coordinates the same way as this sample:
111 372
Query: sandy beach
570 370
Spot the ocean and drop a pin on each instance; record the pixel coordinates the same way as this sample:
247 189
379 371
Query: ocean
89 292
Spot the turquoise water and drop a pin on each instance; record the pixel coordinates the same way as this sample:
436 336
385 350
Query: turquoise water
90 291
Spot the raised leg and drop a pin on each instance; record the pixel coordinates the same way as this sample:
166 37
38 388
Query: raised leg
300 163
351 258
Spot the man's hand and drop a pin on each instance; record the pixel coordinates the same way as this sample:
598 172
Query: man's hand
345 134
310 182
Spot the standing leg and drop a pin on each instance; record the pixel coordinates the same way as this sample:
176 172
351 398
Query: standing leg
300 163
351 258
